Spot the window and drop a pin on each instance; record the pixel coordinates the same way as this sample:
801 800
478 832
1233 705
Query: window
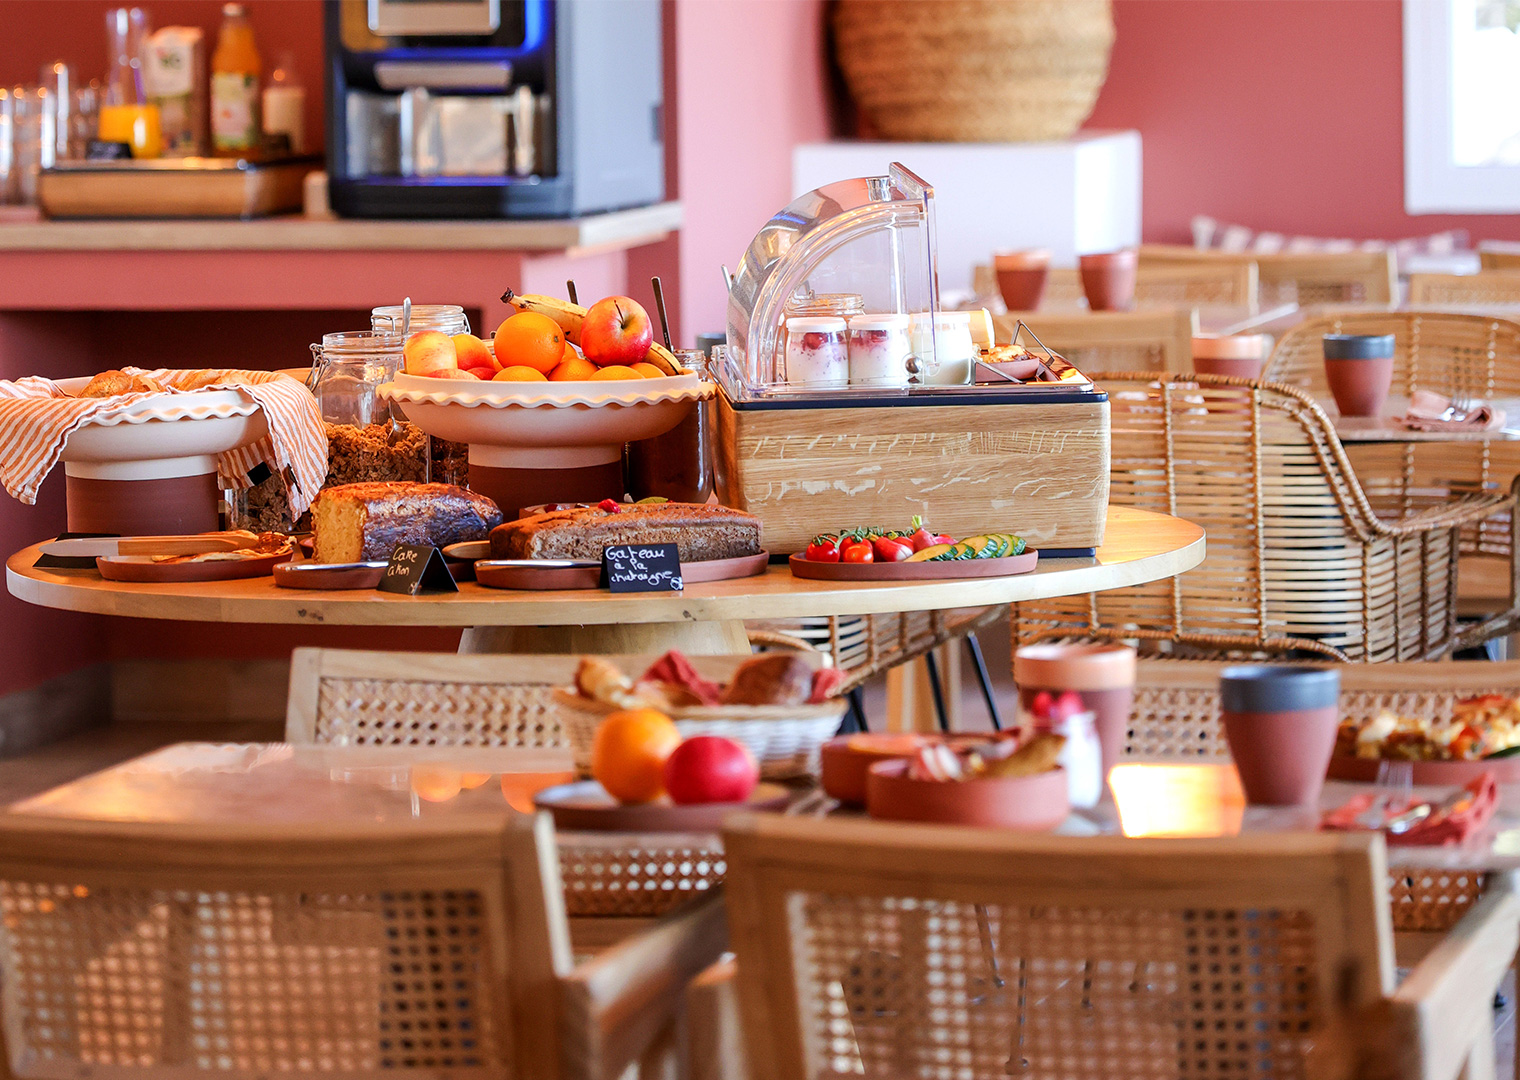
1461 106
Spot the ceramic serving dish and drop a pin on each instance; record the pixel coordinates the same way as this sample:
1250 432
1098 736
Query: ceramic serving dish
913 571
314 575
142 568
586 805
1505 769
582 574
845 761
1025 803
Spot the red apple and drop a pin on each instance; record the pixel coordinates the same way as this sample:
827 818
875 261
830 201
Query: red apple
429 353
473 353
454 373
485 372
616 330
710 769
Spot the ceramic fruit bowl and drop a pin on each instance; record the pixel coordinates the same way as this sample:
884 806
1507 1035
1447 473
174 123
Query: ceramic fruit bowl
150 468
846 761
1024 803
546 442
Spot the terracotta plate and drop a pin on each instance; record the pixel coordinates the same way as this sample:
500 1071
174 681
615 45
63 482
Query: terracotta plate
1025 803
578 574
314 575
143 568
463 556
586 805
1505 770
914 571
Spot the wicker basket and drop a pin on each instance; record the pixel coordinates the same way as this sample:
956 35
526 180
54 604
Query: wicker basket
785 739
974 70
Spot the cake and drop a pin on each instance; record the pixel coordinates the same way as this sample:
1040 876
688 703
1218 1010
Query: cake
700 531
359 522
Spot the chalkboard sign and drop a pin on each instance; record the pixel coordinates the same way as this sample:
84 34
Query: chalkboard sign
642 568
97 150
417 568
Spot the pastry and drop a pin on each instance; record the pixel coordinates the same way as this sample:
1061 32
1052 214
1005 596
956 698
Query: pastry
111 383
774 679
701 532
357 522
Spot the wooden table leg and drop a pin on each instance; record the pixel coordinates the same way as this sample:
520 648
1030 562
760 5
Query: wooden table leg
692 638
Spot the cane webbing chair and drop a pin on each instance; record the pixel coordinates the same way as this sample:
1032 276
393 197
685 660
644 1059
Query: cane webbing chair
1492 258
1299 558
886 950
1302 278
1219 283
1489 288
425 948
1159 339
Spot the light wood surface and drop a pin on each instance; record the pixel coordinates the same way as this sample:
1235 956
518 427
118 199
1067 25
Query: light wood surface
1159 339
1139 546
624 228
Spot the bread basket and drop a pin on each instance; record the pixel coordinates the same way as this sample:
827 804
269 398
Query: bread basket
785 739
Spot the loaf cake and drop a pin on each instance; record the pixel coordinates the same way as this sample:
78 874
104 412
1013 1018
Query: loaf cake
700 532
357 522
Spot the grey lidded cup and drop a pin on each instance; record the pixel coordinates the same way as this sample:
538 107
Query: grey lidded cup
1359 369
1280 723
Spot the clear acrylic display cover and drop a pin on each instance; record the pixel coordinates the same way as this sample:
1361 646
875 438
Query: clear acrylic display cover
871 237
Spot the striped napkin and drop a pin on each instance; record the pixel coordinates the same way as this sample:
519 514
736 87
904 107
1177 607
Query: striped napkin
37 418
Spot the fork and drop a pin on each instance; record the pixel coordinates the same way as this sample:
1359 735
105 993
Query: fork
1395 784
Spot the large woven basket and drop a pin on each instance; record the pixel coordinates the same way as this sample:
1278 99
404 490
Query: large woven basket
785 739
974 70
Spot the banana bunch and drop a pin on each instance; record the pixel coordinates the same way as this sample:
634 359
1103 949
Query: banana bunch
569 317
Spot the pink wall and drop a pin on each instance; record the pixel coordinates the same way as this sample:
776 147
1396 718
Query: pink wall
750 79
1276 114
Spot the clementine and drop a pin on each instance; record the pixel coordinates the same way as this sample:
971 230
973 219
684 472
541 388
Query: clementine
614 372
519 373
629 751
576 370
530 340
649 371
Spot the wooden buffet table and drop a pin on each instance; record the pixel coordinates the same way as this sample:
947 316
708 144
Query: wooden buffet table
1140 546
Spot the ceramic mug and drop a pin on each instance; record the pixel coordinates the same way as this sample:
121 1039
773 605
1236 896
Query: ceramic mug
1108 279
1240 355
1103 676
1280 723
1359 369
1021 277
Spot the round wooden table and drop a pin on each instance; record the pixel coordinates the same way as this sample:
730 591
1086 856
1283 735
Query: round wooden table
1139 546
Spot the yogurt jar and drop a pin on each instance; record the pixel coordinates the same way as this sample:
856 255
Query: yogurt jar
816 352
879 349
950 344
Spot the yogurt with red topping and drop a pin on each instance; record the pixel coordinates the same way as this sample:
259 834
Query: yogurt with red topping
816 353
879 348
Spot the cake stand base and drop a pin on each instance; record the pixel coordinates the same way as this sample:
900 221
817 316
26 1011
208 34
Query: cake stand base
512 489
726 638
166 506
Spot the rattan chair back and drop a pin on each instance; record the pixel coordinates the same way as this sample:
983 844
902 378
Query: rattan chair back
1302 278
1490 288
1159 339
888 950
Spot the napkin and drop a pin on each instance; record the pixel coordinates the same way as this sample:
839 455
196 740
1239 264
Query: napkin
1441 831
37 418
1428 412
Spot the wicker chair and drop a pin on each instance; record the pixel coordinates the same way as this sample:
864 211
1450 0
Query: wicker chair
1098 341
1219 283
1302 278
341 950
1491 288
1299 559
1498 258
887 950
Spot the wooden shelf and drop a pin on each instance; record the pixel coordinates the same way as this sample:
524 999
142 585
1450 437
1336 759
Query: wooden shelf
615 229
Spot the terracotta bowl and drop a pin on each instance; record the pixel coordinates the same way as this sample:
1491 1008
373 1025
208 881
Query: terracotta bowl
1026 804
1240 355
846 760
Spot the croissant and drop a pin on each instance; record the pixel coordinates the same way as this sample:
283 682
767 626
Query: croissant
111 383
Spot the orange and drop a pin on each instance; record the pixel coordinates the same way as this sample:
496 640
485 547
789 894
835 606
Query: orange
529 339
570 353
519 373
629 751
436 783
519 788
615 371
576 370
649 371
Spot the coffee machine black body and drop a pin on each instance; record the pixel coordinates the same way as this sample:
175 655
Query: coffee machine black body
493 108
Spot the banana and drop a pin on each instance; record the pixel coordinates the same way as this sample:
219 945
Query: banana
570 316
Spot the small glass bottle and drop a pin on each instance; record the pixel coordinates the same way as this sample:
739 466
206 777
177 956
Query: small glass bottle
284 112
235 70
879 350
816 352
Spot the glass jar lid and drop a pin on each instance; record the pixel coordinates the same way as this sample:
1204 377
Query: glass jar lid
815 324
449 318
883 320
843 304
359 345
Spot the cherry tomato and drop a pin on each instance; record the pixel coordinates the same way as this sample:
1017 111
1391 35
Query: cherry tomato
822 549
612 506
891 550
858 553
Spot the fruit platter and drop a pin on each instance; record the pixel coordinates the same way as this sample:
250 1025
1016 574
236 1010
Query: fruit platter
913 554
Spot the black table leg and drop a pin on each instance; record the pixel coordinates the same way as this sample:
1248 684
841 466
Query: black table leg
985 680
934 688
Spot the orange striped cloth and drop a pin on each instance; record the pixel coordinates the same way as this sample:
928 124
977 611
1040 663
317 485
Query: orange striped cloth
37 417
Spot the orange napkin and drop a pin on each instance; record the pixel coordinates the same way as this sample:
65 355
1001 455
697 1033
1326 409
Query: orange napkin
1442 831
37 418
1427 412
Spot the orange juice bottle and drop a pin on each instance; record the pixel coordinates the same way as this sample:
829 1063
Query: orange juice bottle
235 68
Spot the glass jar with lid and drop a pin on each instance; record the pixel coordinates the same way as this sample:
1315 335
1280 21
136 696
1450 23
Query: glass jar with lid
450 461
366 440
839 305
943 348
879 350
816 352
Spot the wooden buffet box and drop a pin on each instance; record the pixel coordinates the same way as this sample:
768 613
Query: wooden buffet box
1034 464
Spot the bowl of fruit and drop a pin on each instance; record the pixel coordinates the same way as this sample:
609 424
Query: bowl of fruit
1011 782
547 405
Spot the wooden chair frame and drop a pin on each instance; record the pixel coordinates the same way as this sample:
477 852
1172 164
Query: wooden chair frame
1488 287
1304 278
1096 341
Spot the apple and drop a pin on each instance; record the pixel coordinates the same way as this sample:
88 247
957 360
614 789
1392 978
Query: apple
454 373
710 769
473 353
429 353
616 330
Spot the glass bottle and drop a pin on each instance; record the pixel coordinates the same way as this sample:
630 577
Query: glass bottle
284 115
126 115
677 465
235 70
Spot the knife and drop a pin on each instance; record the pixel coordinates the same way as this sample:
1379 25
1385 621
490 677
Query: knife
95 547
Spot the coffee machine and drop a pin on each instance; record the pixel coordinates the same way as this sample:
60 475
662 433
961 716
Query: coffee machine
493 108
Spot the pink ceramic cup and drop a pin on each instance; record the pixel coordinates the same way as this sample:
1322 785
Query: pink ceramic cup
1240 355
1280 723
1102 675
1021 277
1108 279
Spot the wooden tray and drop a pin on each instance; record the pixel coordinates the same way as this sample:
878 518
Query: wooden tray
587 806
512 574
174 187
1505 770
913 571
142 568
314 575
